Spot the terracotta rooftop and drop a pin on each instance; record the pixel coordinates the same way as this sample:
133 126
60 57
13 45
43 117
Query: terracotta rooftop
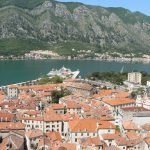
12 126
68 116
95 141
117 102
15 141
133 135
146 126
6 116
57 106
147 140
106 125
102 94
121 141
66 146
134 109
80 86
54 136
83 125
35 133
129 125
110 136
73 105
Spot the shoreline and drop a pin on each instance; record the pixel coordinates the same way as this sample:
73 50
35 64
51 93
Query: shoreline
115 59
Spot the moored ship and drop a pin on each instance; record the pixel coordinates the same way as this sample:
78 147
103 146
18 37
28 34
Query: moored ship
64 72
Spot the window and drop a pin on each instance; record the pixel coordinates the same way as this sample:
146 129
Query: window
75 139
81 134
75 134
87 134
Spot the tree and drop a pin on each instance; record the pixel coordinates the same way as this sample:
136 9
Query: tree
133 94
140 91
44 80
56 79
56 95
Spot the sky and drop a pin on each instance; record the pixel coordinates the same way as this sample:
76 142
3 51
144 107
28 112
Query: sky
133 5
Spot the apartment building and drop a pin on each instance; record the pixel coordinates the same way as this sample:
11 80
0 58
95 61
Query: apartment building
135 77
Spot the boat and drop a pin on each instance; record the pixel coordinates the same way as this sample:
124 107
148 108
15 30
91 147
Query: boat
64 73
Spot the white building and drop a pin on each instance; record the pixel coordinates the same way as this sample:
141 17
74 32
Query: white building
47 123
135 77
83 128
148 83
12 91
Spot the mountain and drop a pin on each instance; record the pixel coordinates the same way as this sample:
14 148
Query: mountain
71 27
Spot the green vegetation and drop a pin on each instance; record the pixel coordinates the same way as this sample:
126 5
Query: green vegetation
46 80
139 91
116 77
117 128
56 95
29 4
72 5
96 30
56 79
71 48
145 77
65 110
129 17
20 46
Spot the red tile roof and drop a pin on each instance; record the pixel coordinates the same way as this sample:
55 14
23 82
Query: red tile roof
83 125
12 126
117 102
54 136
106 125
35 133
129 125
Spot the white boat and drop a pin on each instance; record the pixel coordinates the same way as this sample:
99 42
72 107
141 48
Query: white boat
64 72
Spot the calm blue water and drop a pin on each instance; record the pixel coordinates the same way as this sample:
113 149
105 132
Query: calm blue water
23 70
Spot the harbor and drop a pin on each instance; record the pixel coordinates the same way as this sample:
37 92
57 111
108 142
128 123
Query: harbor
62 72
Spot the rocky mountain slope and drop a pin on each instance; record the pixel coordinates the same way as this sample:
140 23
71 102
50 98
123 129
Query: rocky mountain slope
41 24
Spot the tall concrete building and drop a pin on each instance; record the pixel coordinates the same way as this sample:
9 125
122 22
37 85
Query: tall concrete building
135 77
